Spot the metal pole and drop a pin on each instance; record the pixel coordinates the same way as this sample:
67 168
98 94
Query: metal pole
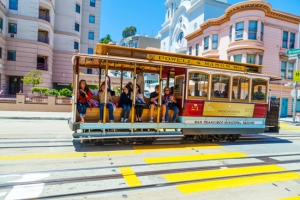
75 86
133 97
159 95
280 102
105 95
296 85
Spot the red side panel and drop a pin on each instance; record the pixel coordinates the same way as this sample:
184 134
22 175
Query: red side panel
192 108
260 111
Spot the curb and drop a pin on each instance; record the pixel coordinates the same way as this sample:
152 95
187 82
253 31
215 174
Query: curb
37 118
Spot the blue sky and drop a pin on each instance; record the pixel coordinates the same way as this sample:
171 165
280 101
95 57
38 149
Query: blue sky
148 15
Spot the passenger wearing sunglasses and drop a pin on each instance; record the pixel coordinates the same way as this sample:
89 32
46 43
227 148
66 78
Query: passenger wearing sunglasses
169 103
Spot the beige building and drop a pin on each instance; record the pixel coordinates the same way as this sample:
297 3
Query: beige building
43 35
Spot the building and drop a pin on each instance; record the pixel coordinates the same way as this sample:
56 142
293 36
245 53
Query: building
183 17
252 32
43 35
143 42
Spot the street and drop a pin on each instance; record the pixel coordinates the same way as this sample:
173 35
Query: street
39 159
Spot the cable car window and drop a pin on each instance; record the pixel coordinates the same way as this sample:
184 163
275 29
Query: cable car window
198 84
178 86
240 88
220 86
259 89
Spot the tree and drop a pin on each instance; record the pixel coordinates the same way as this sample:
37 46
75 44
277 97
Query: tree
129 31
106 39
33 77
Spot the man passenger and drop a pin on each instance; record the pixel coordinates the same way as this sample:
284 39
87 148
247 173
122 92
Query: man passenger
259 95
153 102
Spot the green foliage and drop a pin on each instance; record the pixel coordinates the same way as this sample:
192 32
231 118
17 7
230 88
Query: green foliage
93 87
65 92
33 77
117 90
106 39
52 92
39 90
129 31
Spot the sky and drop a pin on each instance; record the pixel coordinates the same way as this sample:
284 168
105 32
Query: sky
148 15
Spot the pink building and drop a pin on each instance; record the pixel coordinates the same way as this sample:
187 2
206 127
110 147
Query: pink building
252 32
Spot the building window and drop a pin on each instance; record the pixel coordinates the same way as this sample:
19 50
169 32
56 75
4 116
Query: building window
215 39
190 50
251 58
290 70
42 63
12 28
13 4
292 40
77 8
206 43
283 69
90 51
0 52
237 58
239 30
260 61
230 34
89 71
91 35
262 31
76 27
93 3
252 30
285 37
76 45
228 58
92 19
197 49
1 23
11 55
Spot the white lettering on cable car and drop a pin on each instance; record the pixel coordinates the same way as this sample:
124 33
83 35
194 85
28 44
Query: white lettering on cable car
221 122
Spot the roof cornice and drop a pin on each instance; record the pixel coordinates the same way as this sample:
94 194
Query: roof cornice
243 6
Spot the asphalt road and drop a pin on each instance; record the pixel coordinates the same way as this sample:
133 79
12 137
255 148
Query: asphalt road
38 159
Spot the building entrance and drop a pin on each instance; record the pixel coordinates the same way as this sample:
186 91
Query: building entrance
15 84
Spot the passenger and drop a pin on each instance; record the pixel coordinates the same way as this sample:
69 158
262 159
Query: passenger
125 103
140 80
259 95
168 103
84 94
172 90
113 93
109 104
129 86
139 104
153 102
224 94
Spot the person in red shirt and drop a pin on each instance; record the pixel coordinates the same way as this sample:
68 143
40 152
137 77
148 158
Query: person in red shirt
84 94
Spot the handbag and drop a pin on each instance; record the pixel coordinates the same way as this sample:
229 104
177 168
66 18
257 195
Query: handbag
140 103
93 104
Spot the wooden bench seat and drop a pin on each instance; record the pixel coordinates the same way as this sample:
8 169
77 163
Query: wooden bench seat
94 114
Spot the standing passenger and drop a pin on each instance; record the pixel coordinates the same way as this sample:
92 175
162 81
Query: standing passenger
140 80
126 103
108 104
169 103
139 104
153 101
84 94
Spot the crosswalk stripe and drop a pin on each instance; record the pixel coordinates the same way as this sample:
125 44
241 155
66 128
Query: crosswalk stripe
130 177
236 182
176 147
185 158
222 172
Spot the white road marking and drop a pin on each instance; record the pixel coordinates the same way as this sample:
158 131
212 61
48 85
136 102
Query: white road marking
25 191
31 177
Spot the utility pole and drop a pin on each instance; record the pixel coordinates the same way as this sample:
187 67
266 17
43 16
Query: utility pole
296 85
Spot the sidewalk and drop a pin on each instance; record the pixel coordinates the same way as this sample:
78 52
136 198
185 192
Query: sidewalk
35 115
289 120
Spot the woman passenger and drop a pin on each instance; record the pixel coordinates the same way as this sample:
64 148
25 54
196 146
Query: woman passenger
84 94
168 103
139 104
125 103
108 103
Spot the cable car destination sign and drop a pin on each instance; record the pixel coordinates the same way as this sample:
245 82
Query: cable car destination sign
195 62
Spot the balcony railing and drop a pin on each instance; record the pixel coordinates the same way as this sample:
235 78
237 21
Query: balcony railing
42 66
44 17
43 39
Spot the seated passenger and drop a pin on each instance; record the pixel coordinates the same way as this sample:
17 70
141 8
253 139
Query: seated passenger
139 104
153 101
258 95
224 94
125 103
129 86
84 95
168 103
109 104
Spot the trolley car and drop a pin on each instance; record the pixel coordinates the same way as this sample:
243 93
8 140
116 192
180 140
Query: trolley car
217 99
